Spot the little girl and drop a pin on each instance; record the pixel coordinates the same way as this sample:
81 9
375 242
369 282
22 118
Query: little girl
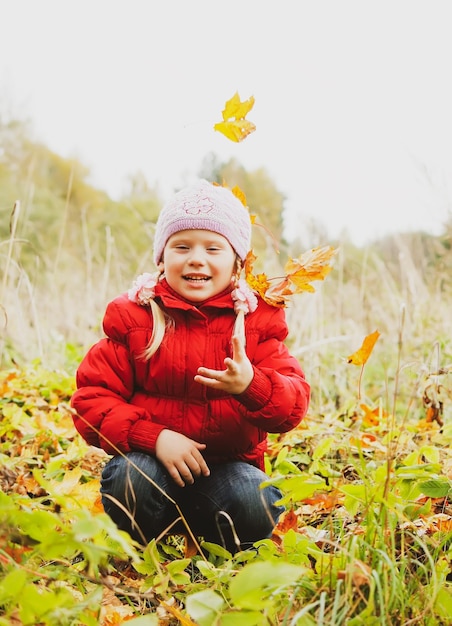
174 394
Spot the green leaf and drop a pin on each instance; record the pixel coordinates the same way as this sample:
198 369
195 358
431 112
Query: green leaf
435 488
354 496
414 511
323 448
207 570
175 567
39 524
253 586
298 488
204 607
12 585
176 570
244 618
443 603
216 550
431 453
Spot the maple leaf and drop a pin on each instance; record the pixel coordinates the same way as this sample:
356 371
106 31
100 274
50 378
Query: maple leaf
258 282
300 272
371 416
324 501
360 356
288 521
234 125
312 265
240 194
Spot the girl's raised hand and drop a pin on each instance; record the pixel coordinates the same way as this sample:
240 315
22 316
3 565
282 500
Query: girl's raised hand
181 457
236 377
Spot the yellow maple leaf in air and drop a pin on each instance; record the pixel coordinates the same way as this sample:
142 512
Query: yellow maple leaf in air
360 356
234 125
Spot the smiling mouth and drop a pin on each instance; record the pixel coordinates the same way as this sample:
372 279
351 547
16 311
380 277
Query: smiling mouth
196 279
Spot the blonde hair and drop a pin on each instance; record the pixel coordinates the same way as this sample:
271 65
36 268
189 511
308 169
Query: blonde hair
161 321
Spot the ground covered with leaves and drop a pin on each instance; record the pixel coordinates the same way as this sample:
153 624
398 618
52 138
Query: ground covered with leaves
366 539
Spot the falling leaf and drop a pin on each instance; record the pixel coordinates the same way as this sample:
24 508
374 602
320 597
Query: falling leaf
360 356
234 125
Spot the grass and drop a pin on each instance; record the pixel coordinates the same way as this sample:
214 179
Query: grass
366 477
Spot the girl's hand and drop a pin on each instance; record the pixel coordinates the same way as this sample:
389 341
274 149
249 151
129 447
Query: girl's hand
235 378
181 457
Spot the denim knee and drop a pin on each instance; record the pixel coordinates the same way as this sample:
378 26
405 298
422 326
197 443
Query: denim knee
238 508
133 489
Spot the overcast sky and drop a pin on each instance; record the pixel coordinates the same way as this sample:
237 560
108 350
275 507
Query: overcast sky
353 99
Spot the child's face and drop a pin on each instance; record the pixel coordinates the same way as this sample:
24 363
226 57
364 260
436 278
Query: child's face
198 264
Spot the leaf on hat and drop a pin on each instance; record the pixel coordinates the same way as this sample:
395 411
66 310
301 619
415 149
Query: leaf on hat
240 195
234 125
360 356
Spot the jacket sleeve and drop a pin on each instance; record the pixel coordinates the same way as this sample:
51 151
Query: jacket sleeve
105 383
278 397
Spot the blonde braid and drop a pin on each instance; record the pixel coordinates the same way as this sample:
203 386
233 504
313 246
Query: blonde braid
159 323
238 269
239 324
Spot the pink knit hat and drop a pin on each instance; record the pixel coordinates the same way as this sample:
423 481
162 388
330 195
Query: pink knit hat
204 206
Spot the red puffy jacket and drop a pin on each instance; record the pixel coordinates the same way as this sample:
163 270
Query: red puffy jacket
123 402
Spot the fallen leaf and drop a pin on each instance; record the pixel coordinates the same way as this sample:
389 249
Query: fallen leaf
176 612
324 501
288 521
359 572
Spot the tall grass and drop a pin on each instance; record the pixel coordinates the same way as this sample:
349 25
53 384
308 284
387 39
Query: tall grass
63 301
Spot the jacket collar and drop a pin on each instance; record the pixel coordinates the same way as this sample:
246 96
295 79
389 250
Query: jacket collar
173 300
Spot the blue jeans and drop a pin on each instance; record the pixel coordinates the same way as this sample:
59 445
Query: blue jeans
227 508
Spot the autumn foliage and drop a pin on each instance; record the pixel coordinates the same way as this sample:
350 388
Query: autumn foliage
366 480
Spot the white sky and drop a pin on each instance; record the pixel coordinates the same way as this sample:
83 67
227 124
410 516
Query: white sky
353 98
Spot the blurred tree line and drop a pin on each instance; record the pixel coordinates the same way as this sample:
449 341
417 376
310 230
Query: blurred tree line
71 245
67 224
